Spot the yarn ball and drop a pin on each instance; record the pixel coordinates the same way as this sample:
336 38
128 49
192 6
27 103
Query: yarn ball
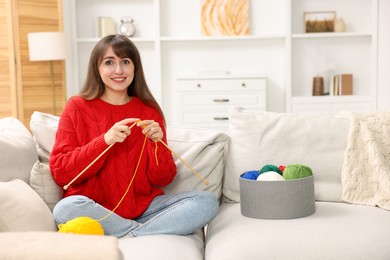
270 176
296 171
250 175
282 167
270 168
82 225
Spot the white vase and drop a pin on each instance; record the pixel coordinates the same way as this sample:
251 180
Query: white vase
339 25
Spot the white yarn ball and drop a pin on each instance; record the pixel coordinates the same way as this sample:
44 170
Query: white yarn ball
270 176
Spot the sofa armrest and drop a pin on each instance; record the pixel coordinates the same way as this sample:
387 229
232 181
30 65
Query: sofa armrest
52 245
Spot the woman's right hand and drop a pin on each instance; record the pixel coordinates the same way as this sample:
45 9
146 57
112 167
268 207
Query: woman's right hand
119 131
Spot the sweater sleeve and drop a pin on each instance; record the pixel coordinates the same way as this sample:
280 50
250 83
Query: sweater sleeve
70 156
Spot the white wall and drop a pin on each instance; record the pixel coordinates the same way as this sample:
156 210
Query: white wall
384 56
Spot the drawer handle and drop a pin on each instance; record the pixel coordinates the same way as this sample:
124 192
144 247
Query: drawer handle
198 85
221 118
243 84
221 100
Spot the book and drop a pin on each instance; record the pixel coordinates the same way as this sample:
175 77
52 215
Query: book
345 84
341 85
336 85
331 86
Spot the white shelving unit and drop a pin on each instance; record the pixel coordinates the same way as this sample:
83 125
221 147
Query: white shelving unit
326 54
171 44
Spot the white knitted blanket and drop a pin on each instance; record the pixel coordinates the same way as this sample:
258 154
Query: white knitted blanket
366 170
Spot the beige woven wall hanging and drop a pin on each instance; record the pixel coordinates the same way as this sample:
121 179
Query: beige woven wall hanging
225 17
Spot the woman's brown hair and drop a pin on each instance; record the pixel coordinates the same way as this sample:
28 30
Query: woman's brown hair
123 48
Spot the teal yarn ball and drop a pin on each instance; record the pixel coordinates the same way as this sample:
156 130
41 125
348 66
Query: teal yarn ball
296 171
270 168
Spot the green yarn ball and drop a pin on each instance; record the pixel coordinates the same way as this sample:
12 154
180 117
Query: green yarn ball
296 171
270 168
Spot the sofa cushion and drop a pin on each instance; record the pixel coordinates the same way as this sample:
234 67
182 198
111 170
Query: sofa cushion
44 128
163 247
334 231
50 245
17 149
260 138
202 149
22 209
41 180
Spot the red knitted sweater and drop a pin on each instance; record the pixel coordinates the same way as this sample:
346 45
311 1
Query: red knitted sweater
80 139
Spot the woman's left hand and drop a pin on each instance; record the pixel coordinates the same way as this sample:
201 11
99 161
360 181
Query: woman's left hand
152 130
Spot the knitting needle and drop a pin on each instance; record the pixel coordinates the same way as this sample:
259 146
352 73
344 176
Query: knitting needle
108 148
97 158
185 163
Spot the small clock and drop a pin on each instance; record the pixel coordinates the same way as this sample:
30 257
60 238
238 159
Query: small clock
127 26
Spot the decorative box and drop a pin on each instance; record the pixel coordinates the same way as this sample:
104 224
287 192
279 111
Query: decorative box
286 199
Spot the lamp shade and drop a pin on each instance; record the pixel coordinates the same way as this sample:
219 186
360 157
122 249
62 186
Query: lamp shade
45 46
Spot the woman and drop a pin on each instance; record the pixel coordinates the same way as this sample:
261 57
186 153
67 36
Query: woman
114 97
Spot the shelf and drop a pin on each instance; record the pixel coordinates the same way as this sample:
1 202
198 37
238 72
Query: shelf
329 35
219 75
224 38
95 40
331 99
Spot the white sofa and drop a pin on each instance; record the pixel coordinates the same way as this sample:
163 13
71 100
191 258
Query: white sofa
337 230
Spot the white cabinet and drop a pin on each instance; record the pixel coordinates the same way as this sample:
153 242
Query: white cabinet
330 105
205 101
171 44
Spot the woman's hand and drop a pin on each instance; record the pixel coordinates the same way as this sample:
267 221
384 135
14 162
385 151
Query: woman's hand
152 130
119 131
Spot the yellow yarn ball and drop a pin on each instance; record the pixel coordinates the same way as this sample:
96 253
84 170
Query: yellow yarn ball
82 225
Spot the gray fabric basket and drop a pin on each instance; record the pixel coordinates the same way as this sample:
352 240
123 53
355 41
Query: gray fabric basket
277 199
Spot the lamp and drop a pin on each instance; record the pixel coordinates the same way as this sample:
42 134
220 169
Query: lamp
48 46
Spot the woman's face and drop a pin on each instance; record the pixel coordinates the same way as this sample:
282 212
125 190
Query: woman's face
117 73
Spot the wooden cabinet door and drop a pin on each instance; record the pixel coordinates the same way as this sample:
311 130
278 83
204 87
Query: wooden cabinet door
7 63
26 85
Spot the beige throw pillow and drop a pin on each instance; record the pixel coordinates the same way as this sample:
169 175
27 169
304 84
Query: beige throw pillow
44 128
43 183
202 149
22 209
17 150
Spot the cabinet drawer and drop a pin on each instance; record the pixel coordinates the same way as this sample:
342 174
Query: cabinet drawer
218 119
221 99
221 84
330 108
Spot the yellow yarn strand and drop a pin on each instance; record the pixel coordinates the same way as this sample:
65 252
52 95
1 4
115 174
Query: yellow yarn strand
131 182
97 158
90 226
155 153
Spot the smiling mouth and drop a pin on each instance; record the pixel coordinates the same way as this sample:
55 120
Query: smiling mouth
119 79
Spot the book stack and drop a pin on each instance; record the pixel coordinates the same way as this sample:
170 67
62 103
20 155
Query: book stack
341 85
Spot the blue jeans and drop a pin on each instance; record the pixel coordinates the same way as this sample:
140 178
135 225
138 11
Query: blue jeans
178 214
